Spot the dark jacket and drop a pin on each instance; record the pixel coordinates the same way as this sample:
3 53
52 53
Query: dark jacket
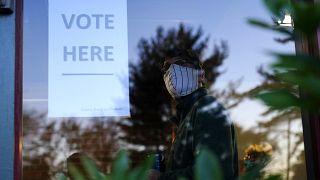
201 122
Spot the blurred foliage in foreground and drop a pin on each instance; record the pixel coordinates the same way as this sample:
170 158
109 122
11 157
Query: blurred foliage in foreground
301 70
206 168
296 77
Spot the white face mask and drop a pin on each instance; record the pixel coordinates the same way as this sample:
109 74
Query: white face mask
181 81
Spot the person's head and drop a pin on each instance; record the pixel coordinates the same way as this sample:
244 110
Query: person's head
183 72
257 155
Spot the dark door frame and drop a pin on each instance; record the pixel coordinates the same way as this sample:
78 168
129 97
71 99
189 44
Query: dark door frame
310 120
18 90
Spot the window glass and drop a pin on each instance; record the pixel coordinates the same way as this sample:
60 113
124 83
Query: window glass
221 34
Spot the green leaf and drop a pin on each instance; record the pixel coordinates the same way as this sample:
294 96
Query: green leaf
309 83
277 6
91 168
120 166
75 173
61 176
274 177
279 99
141 172
107 177
182 178
208 166
306 17
254 173
303 63
265 25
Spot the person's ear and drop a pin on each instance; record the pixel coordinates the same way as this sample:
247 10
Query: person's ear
202 78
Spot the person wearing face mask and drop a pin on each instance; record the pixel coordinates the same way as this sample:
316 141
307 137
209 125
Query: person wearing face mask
202 122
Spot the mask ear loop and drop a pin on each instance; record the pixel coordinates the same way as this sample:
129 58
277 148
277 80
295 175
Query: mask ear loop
202 78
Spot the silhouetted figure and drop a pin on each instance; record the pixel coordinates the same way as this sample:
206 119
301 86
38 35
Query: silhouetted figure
202 122
256 158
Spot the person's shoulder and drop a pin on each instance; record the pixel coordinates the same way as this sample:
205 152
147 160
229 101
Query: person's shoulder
209 103
211 109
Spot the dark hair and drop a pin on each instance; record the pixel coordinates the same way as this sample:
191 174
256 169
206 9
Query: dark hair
187 55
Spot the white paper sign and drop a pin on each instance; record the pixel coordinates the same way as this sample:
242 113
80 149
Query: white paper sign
88 58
